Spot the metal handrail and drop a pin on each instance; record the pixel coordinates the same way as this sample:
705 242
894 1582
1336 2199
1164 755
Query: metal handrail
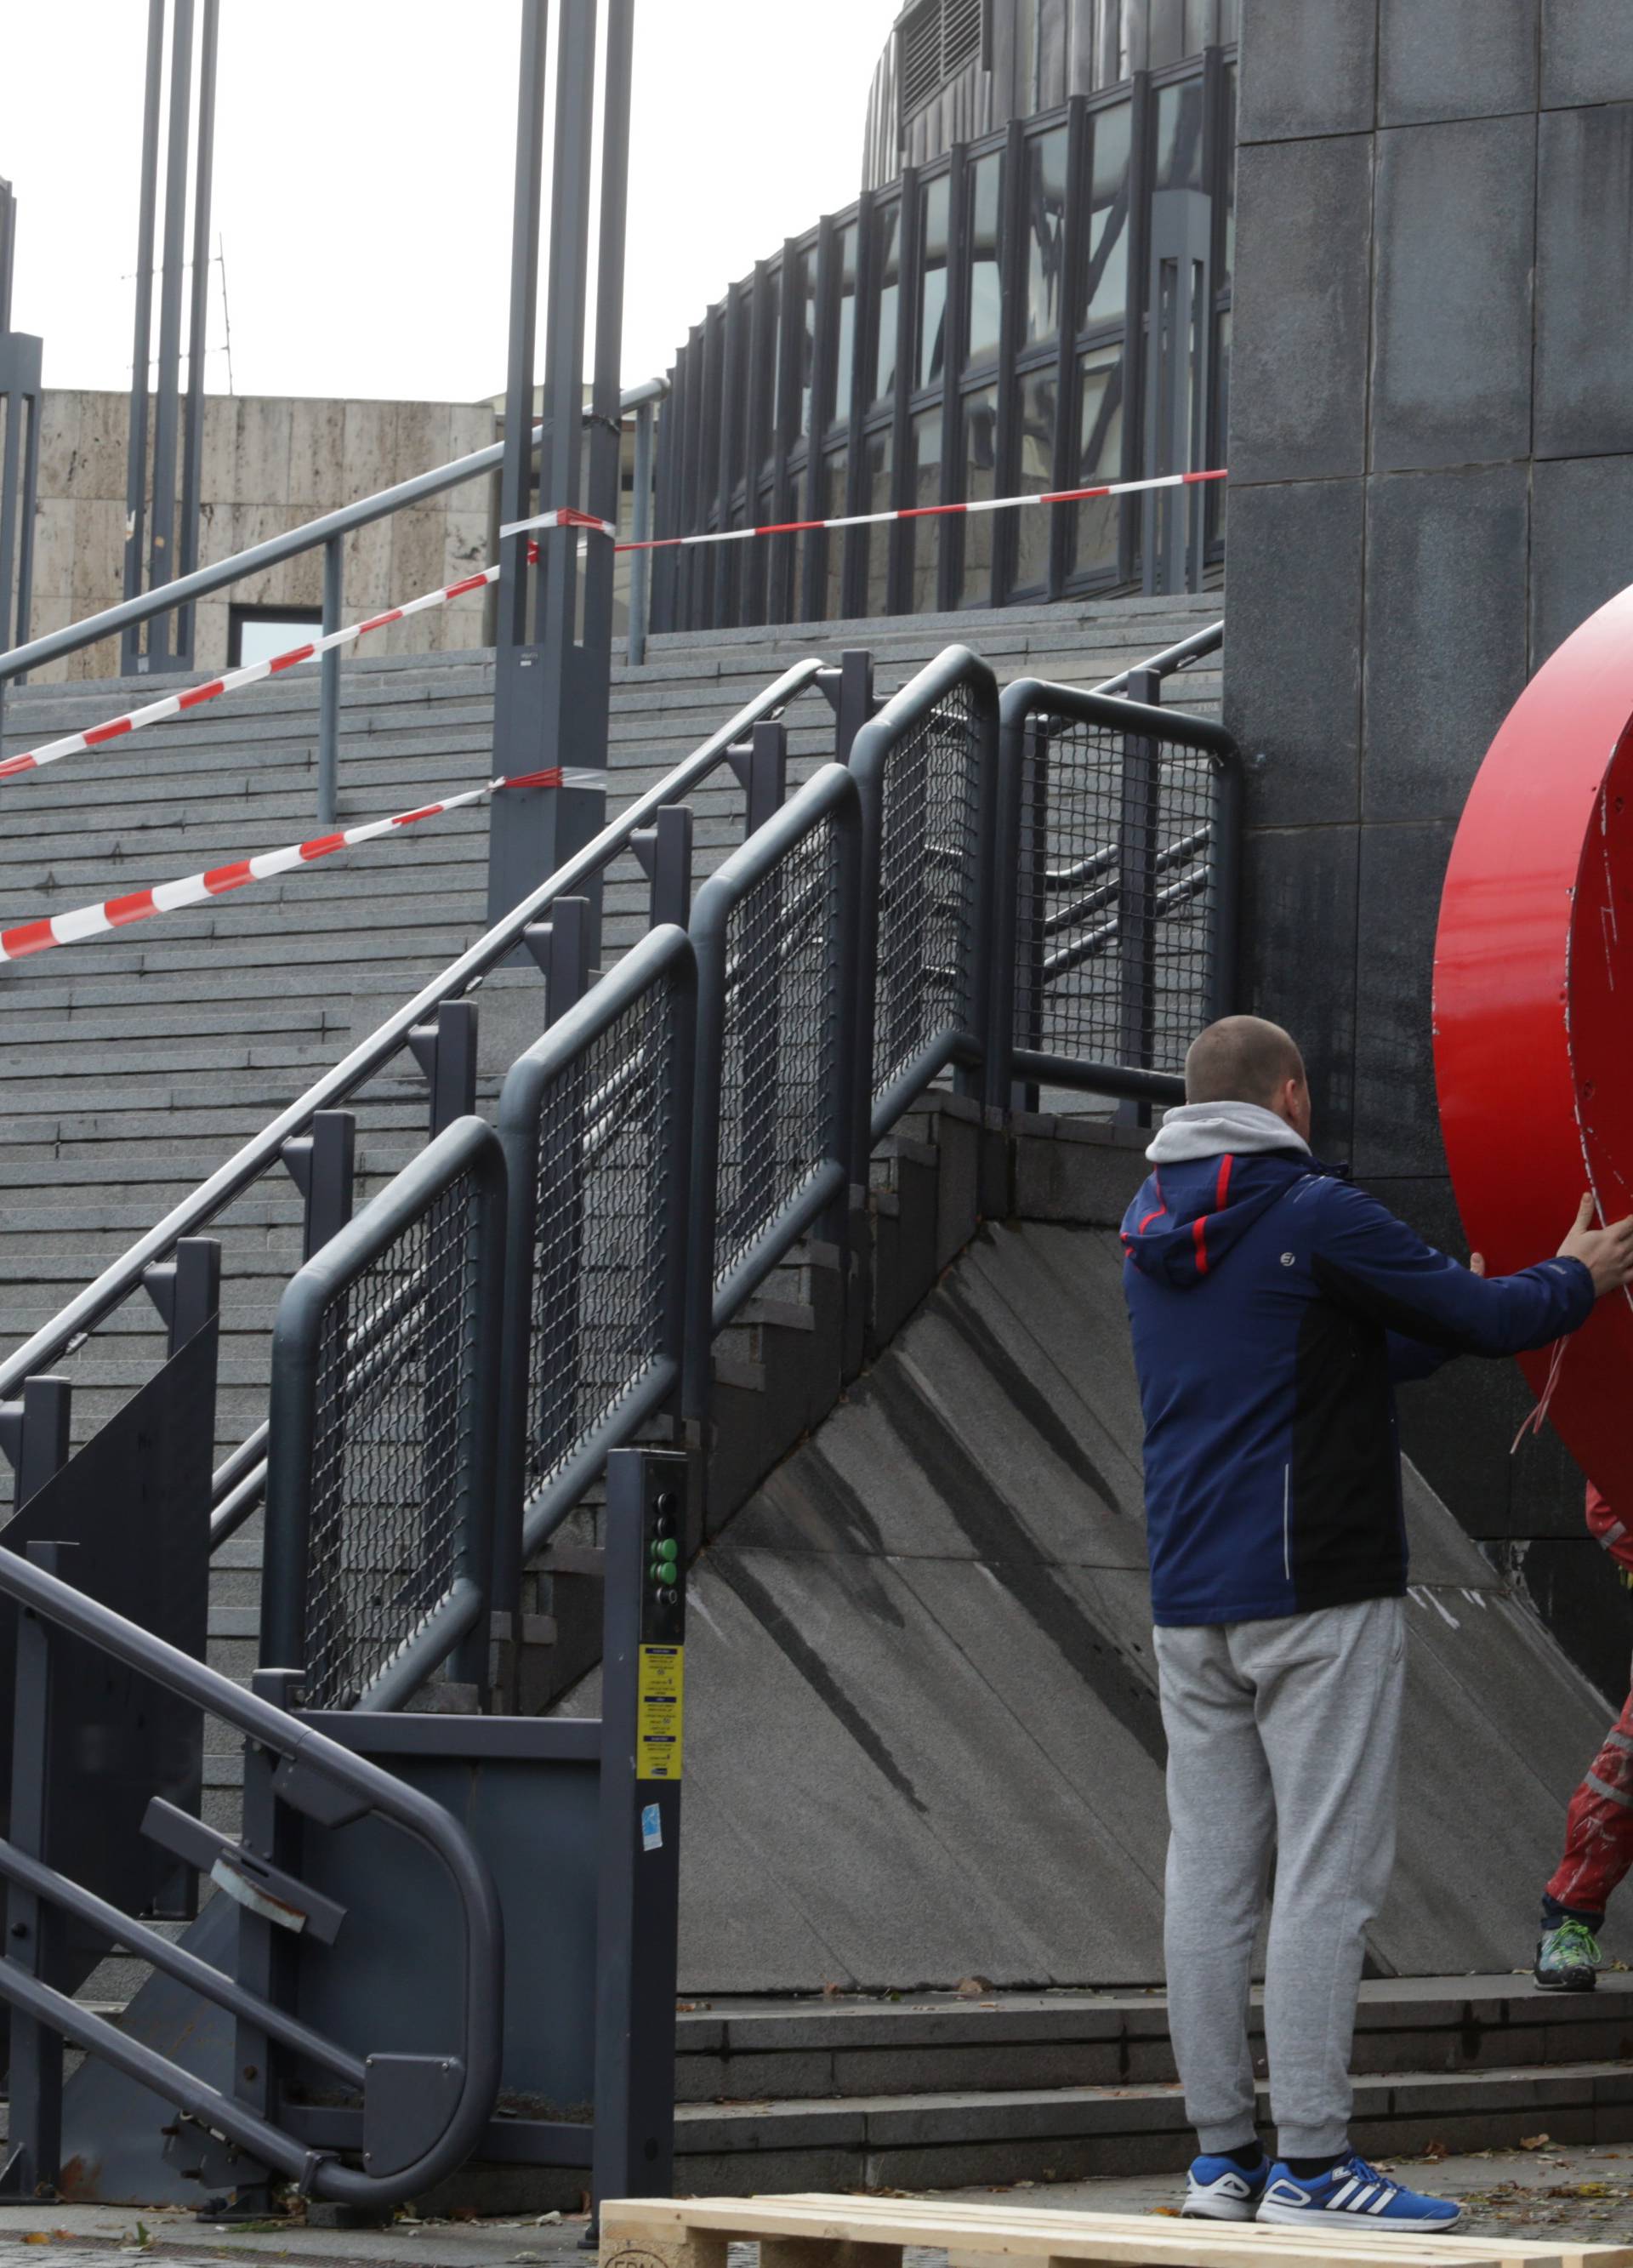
361 514
1172 659
406 1807
263 1151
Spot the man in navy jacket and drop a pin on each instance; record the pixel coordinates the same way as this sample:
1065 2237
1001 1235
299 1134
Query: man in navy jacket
1274 1305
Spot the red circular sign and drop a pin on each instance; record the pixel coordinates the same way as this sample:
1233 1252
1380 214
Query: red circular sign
1533 1007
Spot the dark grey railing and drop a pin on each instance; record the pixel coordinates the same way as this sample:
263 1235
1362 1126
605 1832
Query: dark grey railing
315 1774
596 1121
383 1419
327 533
1118 886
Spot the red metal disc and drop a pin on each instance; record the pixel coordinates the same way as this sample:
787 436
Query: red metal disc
1533 1007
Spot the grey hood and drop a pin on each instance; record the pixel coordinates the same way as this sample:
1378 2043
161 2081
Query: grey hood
1207 1130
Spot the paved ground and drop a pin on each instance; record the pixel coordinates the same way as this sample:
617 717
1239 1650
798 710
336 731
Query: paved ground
1578 2195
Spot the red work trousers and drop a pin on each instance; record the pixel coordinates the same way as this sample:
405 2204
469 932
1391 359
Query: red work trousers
1599 1829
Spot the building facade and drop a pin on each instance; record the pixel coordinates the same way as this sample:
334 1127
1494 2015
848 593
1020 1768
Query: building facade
1044 306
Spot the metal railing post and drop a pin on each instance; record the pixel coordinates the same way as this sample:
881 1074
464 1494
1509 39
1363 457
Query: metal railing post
665 850
764 775
643 1750
856 703
34 1928
186 1288
322 1165
1138 821
329 685
446 1051
641 561
35 1434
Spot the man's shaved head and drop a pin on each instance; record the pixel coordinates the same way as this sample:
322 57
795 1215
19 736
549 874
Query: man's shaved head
1241 1059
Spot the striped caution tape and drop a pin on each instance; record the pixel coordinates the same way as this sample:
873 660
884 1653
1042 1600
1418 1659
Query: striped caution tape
29 937
178 704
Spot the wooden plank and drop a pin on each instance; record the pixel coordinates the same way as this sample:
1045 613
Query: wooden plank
809 2231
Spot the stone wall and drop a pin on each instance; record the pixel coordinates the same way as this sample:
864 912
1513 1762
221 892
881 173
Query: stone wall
268 466
1431 461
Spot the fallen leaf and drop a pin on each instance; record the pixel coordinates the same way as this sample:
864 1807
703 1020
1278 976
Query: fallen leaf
546 2220
1166 2212
1535 2141
971 1988
36 2236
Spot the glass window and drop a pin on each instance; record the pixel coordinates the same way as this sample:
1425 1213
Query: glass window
1197 25
986 180
836 472
802 313
887 275
876 467
1165 35
1046 232
981 463
1093 537
1178 137
923 536
932 282
1105 290
771 295
1035 418
845 337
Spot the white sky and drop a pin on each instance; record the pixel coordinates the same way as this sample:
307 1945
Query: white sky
363 177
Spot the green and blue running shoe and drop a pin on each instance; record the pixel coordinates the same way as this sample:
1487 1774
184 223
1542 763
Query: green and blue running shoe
1567 1959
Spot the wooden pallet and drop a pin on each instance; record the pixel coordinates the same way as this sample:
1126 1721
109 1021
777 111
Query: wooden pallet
861 2232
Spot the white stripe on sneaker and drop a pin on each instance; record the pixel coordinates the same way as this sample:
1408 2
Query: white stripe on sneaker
1342 2197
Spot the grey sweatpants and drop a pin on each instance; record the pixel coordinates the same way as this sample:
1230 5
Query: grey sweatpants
1284 1739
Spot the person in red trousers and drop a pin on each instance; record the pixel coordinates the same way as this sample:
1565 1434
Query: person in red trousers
1598 1826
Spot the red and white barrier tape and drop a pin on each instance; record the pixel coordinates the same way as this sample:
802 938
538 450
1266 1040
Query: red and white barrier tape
28 937
178 704
868 519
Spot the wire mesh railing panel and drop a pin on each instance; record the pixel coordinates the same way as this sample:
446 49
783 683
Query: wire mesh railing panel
1117 896
780 1042
929 949
605 1210
395 1405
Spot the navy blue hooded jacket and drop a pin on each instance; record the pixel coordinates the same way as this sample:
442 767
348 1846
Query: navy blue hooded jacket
1272 1304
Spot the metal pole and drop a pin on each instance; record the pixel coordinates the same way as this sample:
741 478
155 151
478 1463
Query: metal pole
192 450
33 1928
162 550
329 685
605 482
136 467
640 562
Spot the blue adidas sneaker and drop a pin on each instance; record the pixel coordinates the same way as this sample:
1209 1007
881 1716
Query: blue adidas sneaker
1352 2192
1217 2189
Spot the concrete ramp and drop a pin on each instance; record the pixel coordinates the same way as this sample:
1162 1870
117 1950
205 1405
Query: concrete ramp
923 1742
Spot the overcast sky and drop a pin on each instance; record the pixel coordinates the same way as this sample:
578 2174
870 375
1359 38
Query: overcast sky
363 177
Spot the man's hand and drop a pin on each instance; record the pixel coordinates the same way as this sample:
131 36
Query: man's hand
1605 1253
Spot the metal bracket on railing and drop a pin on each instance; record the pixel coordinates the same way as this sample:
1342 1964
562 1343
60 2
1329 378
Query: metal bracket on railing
446 1051
186 1288
268 1890
322 1165
35 1434
849 692
762 770
561 947
665 850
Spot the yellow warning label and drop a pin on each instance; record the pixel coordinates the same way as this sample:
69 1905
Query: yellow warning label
660 1701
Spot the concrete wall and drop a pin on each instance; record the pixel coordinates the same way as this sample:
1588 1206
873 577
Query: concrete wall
1432 459
268 466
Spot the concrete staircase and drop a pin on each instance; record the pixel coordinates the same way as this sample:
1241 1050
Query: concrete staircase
130 1067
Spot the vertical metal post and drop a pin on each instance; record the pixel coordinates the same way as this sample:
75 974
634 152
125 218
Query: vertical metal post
322 1166
266 1953
162 550
1227 829
855 699
1137 828
33 2159
604 470
35 1434
641 561
193 446
136 465
642 1746
329 684
446 1053
553 694
671 871
764 775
